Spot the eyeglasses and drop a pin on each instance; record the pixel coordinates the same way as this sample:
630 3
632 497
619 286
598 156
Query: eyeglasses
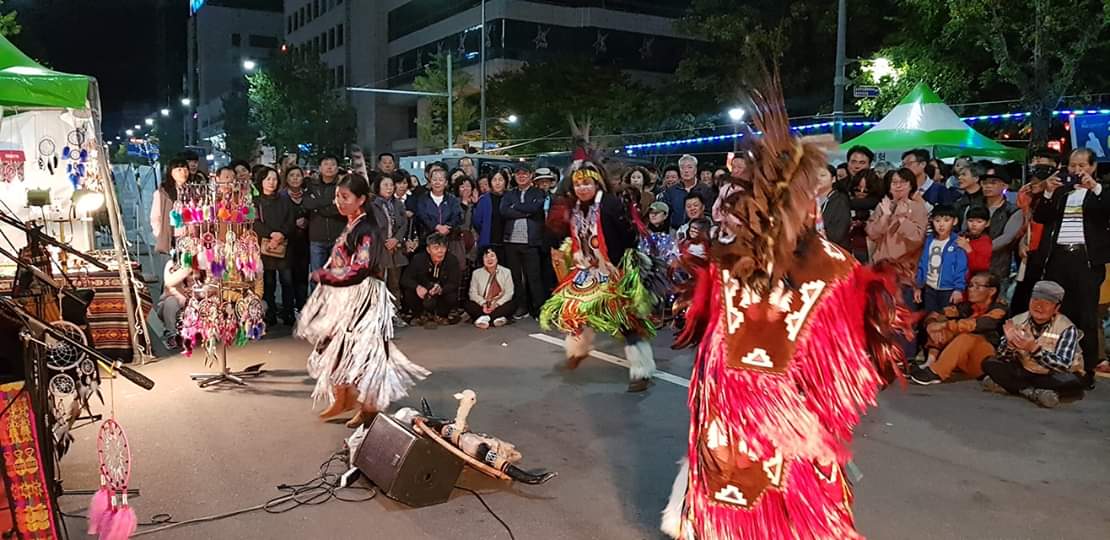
974 285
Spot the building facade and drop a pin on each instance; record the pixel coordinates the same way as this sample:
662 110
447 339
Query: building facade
384 44
222 36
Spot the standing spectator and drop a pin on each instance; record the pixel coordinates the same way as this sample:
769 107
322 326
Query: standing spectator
491 293
963 335
436 210
164 231
737 178
639 178
467 165
859 160
864 191
483 184
1075 246
917 160
242 171
274 226
971 192
298 252
675 196
695 209
897 227
976 242
196 175
402 186
942 269
842 172
387 163
671 177
1005 224
487 215
429 284
463 243
835 210
522 209
738 167
324 222
1038 357
1044 164
389 215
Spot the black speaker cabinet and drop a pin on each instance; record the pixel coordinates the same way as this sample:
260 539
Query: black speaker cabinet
407 466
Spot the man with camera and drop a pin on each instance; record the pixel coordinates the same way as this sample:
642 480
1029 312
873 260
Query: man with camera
1044 163
1075 245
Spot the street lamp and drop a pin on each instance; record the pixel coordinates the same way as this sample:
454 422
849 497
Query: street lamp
736 114
138 127
512 119
165 112
249 65
185 102
149 121
130 132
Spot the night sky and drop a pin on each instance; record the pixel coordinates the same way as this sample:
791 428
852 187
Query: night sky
134 48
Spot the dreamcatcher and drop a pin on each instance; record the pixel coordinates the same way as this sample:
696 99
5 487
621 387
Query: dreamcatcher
77 156
48 155
110 516
251 313
73 378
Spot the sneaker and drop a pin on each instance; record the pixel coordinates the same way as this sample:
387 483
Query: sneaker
430 323
450 320
924 377
500 321
399 323
1045 398
988 385
482 322
522 315
170 343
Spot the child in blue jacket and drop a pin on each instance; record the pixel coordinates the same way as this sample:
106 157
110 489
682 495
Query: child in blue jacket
942 269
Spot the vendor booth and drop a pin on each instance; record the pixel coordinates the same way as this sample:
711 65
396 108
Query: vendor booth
55 175
922 120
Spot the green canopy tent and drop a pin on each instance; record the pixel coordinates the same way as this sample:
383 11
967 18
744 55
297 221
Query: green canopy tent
922 120
28 87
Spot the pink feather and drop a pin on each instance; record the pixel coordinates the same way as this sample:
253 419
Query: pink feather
124 524
98 509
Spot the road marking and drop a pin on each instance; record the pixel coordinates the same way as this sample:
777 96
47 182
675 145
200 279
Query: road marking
661 375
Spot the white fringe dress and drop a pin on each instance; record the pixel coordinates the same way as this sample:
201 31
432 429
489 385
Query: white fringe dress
349 319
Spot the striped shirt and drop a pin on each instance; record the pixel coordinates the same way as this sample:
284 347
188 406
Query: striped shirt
1057 360
1071 226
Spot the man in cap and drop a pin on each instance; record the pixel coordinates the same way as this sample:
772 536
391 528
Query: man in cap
522 211
1039 355
1004 225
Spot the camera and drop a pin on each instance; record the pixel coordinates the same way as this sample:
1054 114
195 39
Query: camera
1042 172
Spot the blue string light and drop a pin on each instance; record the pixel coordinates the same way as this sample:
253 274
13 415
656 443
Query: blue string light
862 123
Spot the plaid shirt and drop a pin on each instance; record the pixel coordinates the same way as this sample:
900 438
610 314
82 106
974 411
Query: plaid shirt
1057 360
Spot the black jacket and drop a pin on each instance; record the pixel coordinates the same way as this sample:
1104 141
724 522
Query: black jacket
836 215
1096 225
421 271
529 207
276 213
324 222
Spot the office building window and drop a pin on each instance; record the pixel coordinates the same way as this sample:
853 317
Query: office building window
341 76
235 40
339 36
289 25
303 12
331 39
316 8
324 42
262 42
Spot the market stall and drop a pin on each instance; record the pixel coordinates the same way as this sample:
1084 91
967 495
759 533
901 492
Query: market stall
55 175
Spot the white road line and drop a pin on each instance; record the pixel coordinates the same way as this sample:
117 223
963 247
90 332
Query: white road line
661 375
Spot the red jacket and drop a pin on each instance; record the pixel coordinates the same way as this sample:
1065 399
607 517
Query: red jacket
979 258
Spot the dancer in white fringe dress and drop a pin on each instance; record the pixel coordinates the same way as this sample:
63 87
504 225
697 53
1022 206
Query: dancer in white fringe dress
349 318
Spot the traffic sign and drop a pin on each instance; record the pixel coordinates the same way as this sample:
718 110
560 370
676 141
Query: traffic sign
865 91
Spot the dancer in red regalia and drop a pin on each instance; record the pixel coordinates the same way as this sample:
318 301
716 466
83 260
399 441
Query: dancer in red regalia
795 344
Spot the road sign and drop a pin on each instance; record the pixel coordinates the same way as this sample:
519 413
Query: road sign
865 91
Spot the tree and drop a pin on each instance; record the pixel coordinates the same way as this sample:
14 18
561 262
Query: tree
432 125
170 135
1037 45
240 133
8 25
293 102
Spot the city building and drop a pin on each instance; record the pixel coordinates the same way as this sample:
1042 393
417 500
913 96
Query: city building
384 44
225 39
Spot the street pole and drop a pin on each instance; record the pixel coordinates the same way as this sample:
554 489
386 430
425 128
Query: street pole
482 75
839 82
450 105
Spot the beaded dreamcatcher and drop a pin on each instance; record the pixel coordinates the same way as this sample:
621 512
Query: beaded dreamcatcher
252 318
191 331
248 260
76 155
110 516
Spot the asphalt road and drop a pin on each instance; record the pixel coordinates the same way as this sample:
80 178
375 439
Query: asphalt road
940 462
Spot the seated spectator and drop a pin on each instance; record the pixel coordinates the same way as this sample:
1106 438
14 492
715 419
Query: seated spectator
1039 356
177 280
491 293
658 242
962 335
696 241
976 242
942 269
429 284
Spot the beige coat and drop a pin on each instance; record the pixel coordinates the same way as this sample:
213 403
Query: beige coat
899 234
479 283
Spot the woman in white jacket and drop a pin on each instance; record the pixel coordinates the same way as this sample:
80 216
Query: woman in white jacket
491 293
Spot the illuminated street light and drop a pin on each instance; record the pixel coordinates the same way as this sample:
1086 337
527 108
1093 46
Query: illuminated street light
149 121
249 65
512 119
165 112
138 127
130 132
736 114
185 102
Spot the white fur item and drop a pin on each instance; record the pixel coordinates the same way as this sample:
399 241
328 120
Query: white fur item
671 523
641 360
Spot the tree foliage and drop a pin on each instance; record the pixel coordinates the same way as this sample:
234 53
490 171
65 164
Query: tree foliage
240 132
8 25
292 102
432 124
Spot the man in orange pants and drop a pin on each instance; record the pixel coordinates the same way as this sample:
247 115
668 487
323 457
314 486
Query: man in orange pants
965 334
